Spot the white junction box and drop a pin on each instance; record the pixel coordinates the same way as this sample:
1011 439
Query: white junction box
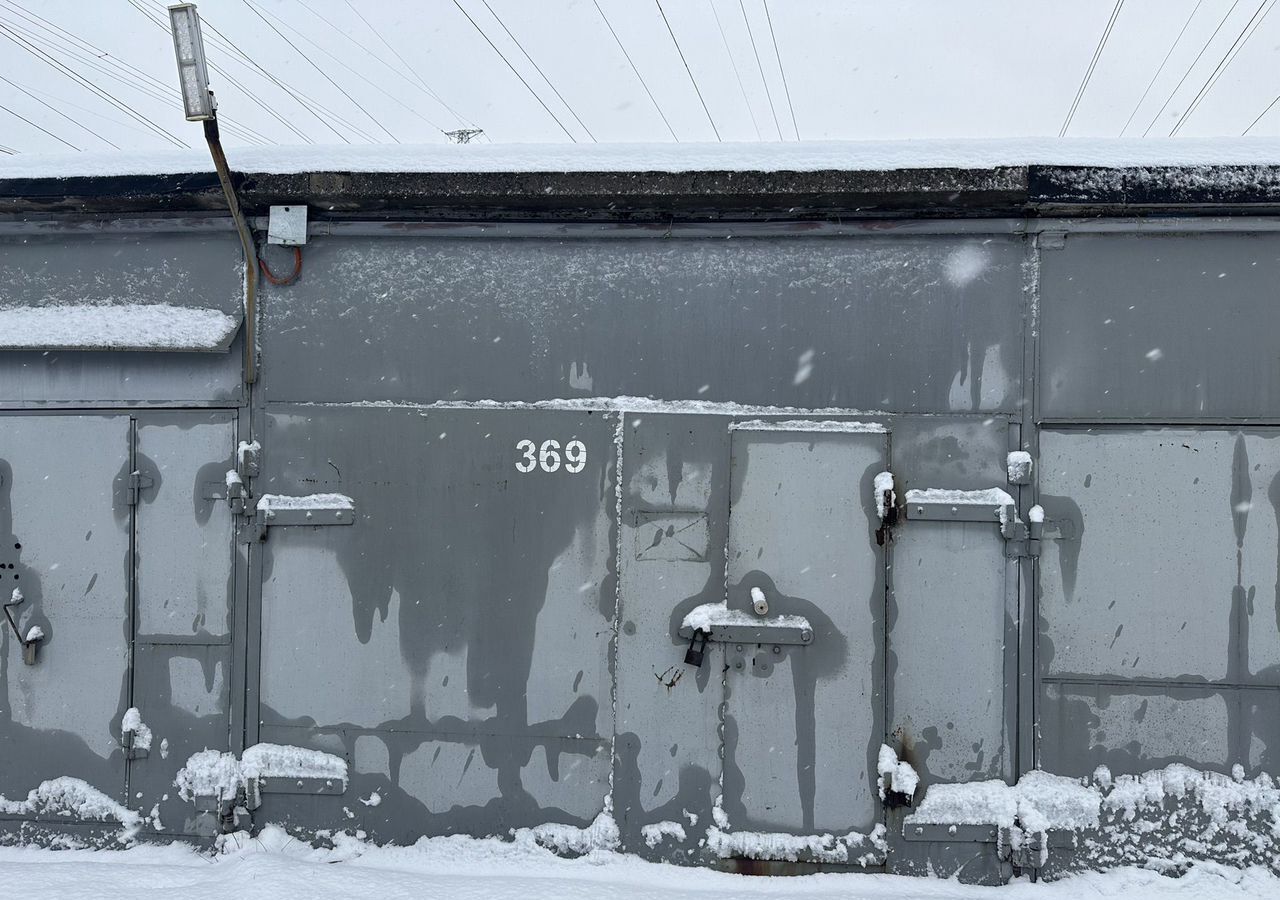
287 225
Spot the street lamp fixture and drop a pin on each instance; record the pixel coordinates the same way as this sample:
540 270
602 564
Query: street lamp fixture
200 106
193 75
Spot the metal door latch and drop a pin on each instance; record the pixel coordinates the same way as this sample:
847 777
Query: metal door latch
137 484
30 643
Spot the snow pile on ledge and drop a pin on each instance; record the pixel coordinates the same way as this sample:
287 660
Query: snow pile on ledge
1039 801
125 326
807 156
210 773
834 426
785 847
280 761
704 617
71 798
988 497
276 502
1218 796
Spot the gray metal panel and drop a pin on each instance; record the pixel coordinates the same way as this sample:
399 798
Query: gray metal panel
472 605
185 535
948 657
1156 598
64 540
1168 326
675 470
71 378
910 323
952 609
803 726
180 269
186 269
1143 581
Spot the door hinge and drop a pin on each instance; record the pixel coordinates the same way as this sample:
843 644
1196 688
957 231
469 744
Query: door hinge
137 484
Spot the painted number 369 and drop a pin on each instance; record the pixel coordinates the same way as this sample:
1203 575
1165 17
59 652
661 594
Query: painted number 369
548 456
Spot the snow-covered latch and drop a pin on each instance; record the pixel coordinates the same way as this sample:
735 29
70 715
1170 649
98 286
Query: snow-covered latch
307 509
992 505
35 634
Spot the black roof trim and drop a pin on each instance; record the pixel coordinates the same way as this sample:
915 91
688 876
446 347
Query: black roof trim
1013 190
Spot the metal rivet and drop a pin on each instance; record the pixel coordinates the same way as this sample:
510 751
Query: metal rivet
777 649
739 648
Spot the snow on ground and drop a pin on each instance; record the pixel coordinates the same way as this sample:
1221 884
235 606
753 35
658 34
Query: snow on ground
273 867
808 156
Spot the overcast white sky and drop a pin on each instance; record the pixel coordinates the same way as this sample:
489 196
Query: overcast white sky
366 70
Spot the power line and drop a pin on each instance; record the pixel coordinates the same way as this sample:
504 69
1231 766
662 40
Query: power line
1190 69
1268 109
59 112
692 80
75 48
417 79
8 33
539 69
18 115
760 66
1229 57
298 97
513 70
782 71
375 85
736 74
322 72
1163 62
643 84
1093 64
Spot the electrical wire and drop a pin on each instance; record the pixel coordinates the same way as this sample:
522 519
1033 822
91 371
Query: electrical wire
515 72
631 62
538 68
79 79
1093 64
242 58
322 72
1163 63
18 115
59 112
760 66
416 81
782 71
736 74
375 85
73 48
692 80
1190 69
1260 116
1233 51
277 280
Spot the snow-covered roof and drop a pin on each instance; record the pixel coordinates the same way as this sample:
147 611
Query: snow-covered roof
814 156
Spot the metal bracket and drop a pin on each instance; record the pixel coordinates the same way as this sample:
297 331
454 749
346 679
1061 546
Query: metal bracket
778 632
952 834
328 515
137 484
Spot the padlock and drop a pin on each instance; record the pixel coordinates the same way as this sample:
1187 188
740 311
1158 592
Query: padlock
697 648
